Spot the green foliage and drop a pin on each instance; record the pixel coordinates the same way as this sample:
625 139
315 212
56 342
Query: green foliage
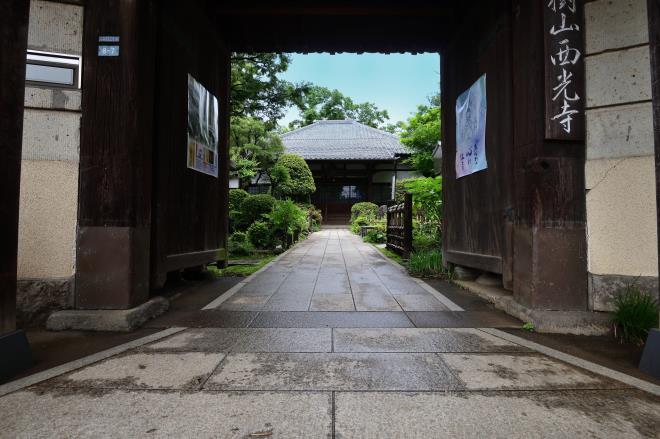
364 208
298 184
260 234
239 245
236 198
528 326
421 133
359 221
252 148
254 208
314 216
378 235
319 103
424 241
287 220
242 270
258 91
636 312
427 263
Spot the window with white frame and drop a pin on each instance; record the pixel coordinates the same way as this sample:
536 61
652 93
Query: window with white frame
53 69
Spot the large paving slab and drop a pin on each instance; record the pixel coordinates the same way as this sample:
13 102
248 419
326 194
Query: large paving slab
419 340
247 340
251 371
142 370
521 372
565 414
124 414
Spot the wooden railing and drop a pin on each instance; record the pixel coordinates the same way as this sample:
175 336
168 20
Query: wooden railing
399 227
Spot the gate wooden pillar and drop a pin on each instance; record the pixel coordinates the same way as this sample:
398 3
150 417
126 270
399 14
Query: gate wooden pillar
13 47
549 231
115 185
14 16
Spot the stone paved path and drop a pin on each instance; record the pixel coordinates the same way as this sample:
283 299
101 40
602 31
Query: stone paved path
284 370
333 271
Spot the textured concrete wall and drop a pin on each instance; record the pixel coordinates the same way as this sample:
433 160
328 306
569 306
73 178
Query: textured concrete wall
620 172
49 172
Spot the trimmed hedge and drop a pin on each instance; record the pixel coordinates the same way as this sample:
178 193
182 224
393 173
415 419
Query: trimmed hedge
254 207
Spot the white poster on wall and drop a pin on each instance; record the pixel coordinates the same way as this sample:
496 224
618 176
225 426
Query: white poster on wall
471 129
202 129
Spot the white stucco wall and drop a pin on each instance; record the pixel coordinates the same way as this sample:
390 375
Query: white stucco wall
620 170
51 143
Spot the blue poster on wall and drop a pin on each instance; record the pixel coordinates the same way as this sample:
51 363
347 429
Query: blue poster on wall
471 129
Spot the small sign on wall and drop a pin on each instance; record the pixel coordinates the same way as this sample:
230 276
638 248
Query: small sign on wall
564 69
471 110
108 45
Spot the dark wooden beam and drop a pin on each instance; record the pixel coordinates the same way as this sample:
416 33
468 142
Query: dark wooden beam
549 214
13 46
653 8
115 184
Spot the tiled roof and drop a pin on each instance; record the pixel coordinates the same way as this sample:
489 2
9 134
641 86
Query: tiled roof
342 140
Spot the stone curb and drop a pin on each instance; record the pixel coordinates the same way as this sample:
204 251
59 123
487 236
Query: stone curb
124 320
557 322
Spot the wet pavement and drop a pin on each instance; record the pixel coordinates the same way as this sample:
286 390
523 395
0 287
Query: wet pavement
283 356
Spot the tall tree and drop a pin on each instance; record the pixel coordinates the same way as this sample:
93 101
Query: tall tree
318 103
253 148
256 89
421 133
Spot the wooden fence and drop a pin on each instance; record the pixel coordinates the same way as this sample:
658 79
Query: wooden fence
399 227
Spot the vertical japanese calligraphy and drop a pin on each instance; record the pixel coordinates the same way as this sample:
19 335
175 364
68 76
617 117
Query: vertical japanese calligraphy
564 69
471 110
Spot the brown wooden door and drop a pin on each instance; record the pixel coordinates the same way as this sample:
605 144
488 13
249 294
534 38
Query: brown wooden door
189 224
477 207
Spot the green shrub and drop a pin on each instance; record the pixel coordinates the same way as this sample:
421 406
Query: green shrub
359 221
365 209
239 245
636 312
260 234
292 178
254 208
236 198
425 241
287 220
375 236
426 263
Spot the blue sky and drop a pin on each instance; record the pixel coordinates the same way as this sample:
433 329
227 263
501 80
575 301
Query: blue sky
396 83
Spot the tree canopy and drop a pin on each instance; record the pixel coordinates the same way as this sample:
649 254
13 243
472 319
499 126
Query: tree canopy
421 133
292 178
256 89
252 148
319 103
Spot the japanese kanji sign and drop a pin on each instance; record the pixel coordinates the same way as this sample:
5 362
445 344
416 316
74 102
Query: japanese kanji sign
564 69
471 109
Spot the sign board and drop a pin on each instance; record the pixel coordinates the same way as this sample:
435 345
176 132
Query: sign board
202 129
471 110
105 49
564 69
